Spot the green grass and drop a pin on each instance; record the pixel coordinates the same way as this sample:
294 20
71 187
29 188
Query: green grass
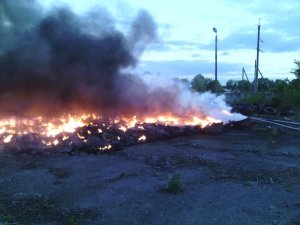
60 173
258 98
39 210
7 220
248 183
274 132
175 184
295 222
290 189
72 221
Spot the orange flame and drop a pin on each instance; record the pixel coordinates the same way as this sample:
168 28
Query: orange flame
52 128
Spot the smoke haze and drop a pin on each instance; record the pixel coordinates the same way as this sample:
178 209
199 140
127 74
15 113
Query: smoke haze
65 63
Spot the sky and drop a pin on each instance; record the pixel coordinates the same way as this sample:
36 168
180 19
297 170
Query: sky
185 46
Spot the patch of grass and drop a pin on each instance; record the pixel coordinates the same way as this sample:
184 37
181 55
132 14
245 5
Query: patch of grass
295 222
258 98
35 209
290 189
119 177
7 220
248 183
25 208
123 175
274 132
72 221
174 184
272 137
29 166
60 173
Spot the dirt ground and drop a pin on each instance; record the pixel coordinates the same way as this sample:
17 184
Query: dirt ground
234 178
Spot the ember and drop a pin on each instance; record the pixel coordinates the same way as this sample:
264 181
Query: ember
93 131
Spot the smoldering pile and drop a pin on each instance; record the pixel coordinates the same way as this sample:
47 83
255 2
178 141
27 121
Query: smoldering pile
101 136
62 63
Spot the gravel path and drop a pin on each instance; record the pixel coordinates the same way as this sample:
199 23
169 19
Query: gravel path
238 177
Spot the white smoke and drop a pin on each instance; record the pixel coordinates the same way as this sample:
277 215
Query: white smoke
187 101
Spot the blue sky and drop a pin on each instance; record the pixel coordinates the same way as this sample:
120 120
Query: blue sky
186 41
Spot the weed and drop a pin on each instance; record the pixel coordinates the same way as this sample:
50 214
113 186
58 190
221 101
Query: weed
295 222
36 209
274 132
258 98
248 183
7 220
60 173
72 221
175 184
290 189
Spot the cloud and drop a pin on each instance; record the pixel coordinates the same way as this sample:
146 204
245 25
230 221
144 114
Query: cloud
274 40
238 40
276 43
185 68
15 18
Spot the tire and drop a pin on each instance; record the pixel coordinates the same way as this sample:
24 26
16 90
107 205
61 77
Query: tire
269 110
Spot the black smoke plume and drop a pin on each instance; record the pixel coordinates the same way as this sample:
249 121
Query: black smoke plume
65 63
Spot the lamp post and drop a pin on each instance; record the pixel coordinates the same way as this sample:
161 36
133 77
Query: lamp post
216 53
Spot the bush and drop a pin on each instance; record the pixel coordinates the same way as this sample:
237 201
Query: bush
258 98
287 95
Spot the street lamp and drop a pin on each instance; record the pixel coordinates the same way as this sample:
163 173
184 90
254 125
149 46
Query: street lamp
216 55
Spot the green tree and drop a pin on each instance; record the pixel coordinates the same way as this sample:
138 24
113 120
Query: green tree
296 71
286 93
198 83
231 84
185 81
244 85
264 84
215 86
281 85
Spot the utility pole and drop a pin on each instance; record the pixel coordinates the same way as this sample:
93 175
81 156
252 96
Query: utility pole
255 83
244 74
243 71
257 58
216 53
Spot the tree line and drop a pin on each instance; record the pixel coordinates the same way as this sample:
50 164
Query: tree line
279 93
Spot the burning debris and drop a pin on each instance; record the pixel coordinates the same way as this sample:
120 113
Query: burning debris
91 133
62 84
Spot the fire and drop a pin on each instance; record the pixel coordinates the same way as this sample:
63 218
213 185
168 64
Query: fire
142 138
177 121
123 128
55 142
59 130
106 147
67 125
8 138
